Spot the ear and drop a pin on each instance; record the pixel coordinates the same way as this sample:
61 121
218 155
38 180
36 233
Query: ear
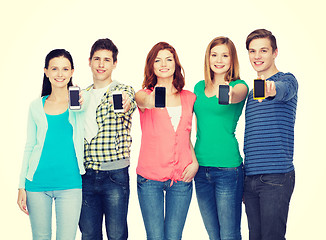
275 53
115 64
89 62
46 72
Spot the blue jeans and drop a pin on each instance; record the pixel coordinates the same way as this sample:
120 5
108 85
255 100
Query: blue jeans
219 195
67 209
105 193
267 198
160 226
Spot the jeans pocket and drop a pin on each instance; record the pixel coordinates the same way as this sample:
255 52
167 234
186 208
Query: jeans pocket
273 179
141 180
120 176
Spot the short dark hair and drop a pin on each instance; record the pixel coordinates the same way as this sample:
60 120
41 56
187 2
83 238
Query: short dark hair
105 44
262 33
46 87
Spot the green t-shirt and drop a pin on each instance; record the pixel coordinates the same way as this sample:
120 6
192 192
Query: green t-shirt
216 145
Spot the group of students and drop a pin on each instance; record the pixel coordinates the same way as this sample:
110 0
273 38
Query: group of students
80 159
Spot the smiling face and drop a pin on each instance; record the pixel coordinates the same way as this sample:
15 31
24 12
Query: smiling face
220 59
262 57
102 65
59 72
164 65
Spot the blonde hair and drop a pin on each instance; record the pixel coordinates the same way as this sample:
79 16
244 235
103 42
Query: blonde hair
233 73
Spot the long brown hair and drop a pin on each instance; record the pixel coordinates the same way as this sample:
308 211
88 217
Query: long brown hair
150 79
233 73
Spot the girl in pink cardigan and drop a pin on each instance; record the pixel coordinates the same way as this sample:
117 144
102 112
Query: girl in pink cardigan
167 162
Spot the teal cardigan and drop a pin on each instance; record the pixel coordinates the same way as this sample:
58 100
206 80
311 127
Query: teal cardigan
36 131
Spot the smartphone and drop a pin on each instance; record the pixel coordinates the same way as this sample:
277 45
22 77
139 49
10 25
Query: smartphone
223 94
117 101
259 89
74 98
160 97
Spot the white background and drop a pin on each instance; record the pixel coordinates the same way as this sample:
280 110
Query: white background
30 29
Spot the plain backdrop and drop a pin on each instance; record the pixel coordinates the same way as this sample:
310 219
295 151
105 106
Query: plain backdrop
30 29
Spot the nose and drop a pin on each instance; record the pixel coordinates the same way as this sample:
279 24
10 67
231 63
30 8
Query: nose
257 55
163 63
60 73
101 63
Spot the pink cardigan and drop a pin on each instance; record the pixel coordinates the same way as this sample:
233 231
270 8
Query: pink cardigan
165 153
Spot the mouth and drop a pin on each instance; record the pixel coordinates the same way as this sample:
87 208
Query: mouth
100 71
164 70
59 79
258 63
219 66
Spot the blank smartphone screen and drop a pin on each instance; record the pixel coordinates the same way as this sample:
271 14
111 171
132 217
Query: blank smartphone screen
160 97
74 98
117 101
223 94
259 88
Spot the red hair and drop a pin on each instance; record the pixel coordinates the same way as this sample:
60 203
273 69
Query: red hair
150 79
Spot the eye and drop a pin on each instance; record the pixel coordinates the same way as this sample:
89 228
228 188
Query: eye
225 55
170 59
157 60
213 55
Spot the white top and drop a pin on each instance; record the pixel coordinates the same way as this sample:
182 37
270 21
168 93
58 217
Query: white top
175 115
95 97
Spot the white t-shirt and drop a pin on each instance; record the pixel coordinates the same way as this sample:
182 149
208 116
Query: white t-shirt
175 115
91 128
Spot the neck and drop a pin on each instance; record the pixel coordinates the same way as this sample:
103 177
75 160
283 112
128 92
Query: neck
102 84
59 94
268 73
218 80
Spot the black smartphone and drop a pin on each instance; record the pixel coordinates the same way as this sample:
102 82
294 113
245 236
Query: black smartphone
259 89
160 97
223 94
74 98
117 101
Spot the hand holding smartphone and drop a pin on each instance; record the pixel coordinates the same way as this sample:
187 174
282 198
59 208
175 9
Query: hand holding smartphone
223 94
160 97
74 98
117 101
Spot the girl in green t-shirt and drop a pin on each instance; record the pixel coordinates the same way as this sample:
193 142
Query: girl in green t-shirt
219 181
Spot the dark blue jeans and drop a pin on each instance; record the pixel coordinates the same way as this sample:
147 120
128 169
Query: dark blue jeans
219 195
164 217
105 193
267 198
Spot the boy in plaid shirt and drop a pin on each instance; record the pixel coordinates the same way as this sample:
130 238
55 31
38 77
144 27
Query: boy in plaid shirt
107 149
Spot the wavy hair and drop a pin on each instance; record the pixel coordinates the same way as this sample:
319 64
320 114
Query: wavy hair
150 79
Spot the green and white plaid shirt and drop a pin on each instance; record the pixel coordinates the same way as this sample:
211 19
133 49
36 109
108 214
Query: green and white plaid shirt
110 148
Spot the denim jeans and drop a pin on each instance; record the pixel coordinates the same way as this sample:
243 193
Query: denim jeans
67 209
219 195
105 193
160 225
267 198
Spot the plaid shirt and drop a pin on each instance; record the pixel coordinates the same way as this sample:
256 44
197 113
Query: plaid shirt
112 142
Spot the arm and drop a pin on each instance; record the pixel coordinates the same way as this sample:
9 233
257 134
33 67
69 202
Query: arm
128 101
145 100
238 93
191 170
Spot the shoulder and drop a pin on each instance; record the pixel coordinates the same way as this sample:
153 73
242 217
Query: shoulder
189 95
36 103
200 85
281 76
123 87
238 81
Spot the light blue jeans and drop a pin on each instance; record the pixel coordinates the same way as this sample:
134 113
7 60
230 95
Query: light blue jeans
219 195
67 209
164 207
